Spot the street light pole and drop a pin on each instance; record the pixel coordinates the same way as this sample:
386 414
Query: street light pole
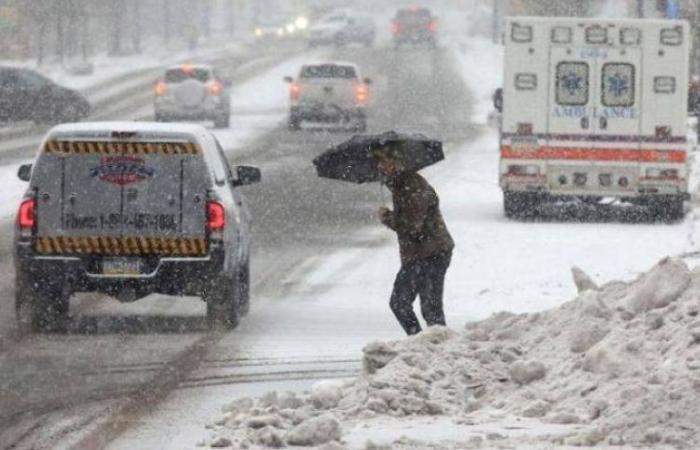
495 20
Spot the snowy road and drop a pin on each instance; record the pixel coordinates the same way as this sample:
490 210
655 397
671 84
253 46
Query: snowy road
116 348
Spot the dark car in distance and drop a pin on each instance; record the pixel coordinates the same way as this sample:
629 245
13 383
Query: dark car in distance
28 95
414 26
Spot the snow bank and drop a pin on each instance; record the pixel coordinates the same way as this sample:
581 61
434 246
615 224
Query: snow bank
620 362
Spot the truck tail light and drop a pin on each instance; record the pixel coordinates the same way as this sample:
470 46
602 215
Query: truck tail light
294 91
160 88
433 26
27 215
361 93
395 27
216 88
216 216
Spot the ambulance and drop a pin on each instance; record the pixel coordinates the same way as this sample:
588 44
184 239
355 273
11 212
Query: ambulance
594 109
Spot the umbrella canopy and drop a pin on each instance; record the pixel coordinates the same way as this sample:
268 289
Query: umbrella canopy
352 160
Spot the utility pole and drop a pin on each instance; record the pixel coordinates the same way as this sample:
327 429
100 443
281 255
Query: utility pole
232 17
495 20
167 21
136 26
640 9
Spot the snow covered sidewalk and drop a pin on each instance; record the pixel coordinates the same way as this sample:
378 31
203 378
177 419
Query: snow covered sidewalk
617 365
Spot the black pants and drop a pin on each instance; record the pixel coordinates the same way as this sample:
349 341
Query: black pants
425 277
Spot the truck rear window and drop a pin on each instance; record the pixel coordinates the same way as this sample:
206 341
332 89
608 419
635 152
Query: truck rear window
328 71
413 16
572 83
180 75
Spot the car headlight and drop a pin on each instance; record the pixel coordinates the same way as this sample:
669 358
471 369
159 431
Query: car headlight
258 31
301 23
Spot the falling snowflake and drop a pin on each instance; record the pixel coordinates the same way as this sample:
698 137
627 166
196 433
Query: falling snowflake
572 82
618 85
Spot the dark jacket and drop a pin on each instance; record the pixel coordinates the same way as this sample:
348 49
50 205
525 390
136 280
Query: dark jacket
417 219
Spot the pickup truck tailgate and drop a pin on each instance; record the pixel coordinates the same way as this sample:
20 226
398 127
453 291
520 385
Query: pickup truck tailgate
121 198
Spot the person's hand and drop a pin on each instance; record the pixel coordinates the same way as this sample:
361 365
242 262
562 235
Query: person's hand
384 215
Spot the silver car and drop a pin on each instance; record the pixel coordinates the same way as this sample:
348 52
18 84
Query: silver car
192 92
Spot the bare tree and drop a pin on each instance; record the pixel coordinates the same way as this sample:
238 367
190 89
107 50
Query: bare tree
116 12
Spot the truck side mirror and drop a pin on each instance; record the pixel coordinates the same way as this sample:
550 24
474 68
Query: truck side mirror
25 172
498 99
288 79
367 81
247 175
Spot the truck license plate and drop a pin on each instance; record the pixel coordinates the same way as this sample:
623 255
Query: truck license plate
121 266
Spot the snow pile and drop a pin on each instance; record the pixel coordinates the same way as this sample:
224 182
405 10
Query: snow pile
621 361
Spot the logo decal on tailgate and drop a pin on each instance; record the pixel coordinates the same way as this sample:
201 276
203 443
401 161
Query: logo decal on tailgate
122 170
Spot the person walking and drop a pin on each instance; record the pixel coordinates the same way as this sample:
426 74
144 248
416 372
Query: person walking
425 244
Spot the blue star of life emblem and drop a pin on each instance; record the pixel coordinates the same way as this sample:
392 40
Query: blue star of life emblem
572 82
618 85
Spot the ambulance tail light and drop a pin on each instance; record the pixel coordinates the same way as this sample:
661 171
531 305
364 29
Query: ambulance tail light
525 129
216 218
523 170
662 174
160 88
294 91
433 26
26 218
663 131
395 27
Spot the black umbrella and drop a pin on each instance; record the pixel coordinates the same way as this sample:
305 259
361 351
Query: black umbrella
352 160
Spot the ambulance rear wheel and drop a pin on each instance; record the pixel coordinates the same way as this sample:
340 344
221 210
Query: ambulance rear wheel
668 209
519 204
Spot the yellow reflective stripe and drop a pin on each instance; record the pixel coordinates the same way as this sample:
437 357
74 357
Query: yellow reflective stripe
118 148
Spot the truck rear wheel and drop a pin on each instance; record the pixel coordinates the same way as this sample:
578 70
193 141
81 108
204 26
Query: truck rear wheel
222 121
294 123
519 204
244 288
40 308
223 304
361 126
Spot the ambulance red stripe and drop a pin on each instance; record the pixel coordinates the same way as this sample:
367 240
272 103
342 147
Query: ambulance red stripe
595 154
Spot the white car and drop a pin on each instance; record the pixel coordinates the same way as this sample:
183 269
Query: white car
192 92
341 28
330 93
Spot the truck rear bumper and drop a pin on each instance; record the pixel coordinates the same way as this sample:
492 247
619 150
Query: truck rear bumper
325 113
208 110
169 276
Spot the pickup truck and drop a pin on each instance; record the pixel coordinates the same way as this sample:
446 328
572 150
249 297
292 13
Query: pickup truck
329 93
